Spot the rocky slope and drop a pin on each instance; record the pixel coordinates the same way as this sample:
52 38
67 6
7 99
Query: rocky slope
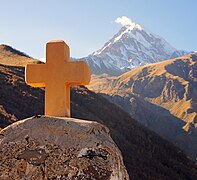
162 96
131 47
146 155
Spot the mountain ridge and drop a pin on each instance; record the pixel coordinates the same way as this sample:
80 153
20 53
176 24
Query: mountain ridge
131 47
14 57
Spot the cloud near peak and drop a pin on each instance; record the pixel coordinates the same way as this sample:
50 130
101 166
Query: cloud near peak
124 21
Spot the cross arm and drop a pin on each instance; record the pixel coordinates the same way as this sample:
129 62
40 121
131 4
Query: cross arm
34 75
77 73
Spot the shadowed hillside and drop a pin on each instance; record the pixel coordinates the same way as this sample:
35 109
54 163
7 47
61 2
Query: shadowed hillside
146 155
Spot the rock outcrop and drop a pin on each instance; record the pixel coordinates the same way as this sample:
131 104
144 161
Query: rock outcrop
59 148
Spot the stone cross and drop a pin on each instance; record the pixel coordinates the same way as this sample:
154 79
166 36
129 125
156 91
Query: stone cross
57 75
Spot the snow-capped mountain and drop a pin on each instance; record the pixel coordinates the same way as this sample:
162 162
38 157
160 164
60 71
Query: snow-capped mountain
131 47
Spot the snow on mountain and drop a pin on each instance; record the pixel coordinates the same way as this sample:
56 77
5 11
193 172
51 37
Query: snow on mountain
131 47
195 52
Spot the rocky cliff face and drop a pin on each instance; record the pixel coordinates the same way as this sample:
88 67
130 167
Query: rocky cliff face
162 96
59 148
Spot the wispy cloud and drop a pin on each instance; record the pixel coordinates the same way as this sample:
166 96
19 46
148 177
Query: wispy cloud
124 21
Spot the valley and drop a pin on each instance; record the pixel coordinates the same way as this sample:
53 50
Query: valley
162 96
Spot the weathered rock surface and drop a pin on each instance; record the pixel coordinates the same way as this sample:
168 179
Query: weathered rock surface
59 148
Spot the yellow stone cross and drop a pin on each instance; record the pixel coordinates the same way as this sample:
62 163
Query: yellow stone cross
57 75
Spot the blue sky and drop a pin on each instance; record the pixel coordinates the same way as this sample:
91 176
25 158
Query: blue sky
87 24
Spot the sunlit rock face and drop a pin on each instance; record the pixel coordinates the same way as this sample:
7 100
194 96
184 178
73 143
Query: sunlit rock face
59 148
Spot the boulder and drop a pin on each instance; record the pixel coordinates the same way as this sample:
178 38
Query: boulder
59 148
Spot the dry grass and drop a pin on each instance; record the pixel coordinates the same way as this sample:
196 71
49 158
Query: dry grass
12 57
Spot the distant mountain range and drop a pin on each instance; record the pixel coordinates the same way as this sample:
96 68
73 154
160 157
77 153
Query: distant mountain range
146 155
162 96
131 47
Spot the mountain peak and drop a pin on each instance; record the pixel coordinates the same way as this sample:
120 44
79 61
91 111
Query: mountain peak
125 29
131 47
128 29
132 26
